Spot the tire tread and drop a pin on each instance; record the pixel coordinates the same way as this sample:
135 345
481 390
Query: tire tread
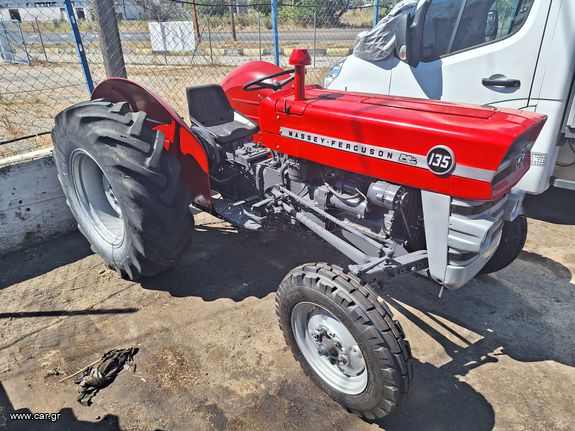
158 219
364 307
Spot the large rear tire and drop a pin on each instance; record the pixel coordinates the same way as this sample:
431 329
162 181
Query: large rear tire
345 339
124 190
512 242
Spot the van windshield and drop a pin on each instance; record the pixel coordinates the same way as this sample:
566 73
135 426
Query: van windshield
455 25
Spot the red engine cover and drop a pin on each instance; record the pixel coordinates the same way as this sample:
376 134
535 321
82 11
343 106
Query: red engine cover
443 147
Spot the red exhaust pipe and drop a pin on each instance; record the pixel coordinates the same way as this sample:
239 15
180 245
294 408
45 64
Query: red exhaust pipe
300 58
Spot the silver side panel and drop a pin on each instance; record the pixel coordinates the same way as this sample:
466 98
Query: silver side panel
463 235
436 210
474 235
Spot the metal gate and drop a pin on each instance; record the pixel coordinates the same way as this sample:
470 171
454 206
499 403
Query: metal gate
12 44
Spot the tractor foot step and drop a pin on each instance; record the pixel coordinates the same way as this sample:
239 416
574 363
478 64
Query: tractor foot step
234 214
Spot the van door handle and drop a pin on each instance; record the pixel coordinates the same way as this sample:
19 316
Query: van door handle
513 83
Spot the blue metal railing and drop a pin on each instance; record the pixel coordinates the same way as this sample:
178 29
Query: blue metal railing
79 46
275 32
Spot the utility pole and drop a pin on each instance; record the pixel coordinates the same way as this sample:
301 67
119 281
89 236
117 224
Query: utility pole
110 43
233 21
196 24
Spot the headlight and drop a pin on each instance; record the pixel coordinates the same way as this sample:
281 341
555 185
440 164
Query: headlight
333 73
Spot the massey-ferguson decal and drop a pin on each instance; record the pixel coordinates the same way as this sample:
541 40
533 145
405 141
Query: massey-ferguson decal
353 147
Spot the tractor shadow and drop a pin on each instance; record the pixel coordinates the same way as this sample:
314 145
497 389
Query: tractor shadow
225 263
439 401
41 258
524 312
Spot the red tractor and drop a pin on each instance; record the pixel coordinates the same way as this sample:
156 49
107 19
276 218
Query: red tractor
397 185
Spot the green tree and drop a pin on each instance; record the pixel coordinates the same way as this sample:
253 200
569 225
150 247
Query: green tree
263 7
328 12
160 11
213 7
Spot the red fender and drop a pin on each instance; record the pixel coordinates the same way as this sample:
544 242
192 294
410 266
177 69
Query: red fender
248 102
180 140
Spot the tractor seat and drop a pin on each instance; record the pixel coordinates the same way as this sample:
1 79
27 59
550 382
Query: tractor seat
210 108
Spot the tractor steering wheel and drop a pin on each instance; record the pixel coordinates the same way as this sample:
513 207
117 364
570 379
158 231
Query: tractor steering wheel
259 84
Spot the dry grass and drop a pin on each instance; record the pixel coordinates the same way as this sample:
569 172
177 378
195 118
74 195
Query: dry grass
53 88
12 130
25 145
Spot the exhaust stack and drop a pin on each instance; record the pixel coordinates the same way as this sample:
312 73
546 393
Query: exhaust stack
300 58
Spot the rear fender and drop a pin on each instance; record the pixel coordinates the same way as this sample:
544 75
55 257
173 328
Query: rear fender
248 102
180 140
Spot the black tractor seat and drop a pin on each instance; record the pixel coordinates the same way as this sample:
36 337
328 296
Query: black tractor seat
210 108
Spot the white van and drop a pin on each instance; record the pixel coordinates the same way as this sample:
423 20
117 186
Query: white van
506 53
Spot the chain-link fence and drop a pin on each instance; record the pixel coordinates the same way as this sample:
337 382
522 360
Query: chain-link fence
53 52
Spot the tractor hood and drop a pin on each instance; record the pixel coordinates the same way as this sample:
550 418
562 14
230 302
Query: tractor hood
466 151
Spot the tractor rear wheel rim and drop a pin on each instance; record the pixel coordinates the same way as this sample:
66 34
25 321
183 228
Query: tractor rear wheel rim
329 348
98 202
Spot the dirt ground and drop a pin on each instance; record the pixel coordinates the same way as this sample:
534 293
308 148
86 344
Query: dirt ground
497 354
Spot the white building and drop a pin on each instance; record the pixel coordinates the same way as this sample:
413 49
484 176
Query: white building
22 10
129 9
31 10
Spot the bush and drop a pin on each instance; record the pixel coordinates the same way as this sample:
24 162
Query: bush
245 20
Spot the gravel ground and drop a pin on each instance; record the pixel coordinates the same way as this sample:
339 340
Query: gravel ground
497 354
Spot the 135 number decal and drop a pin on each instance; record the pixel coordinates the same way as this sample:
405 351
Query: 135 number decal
441 160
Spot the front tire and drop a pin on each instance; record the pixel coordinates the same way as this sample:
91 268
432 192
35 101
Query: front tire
344 338
512 242
124 190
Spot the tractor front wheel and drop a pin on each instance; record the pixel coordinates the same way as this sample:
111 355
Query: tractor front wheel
124 190
342 334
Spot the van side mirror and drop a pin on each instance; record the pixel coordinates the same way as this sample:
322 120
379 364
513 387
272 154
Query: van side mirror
491 26
409 32
402 50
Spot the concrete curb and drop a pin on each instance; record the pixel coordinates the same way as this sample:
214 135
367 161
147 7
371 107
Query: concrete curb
339 52
32 205
242 52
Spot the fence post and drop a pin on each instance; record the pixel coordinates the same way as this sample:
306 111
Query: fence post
79 46
376 13
196 23
275 32
110 43
210 39
314 35
24 45
260 35
233 21
41 39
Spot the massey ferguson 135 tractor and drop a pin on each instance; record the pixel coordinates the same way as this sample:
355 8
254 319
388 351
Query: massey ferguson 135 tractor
397 185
